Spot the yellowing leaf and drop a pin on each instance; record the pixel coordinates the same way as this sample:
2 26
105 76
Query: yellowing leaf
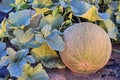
36 73
41 11
112 29
92 14
1 33
43 52
3 30
49 58
19 1
70 15
3 26
28 69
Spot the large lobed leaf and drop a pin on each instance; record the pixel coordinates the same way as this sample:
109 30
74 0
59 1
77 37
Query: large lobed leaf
16 61
110 28
51 37
79 7
54 21
87 11
24 40
48 57
20 18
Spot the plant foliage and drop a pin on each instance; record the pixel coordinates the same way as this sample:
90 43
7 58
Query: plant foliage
36 26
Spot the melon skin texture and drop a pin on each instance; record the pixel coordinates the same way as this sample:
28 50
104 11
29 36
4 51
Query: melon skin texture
87 48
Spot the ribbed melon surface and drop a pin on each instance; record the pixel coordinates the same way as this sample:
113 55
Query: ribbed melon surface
87 48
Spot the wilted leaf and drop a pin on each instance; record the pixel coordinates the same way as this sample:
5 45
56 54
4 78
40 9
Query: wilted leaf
48 57
36 73
54 21
35 20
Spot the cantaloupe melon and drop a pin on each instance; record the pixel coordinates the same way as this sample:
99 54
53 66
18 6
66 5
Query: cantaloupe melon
87 48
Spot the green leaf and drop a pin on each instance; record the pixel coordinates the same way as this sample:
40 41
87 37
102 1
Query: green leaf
19 34
64 3
24 40
46 30
55 42
41 11
20 18
43 52
5 6
15 70
8 2
48 57
28 35
87 11
18 2
56 11
111 29
93 15
53 63
118 18
36 73
41 3
79 7
51 37
15 61
54 21
2 49
113 5
1 79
